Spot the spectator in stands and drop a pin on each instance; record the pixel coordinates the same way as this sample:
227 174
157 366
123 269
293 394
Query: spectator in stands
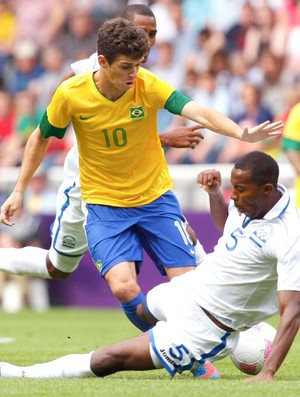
167 69
268 33
253 109
208 41
274 81
23 68
7 33
236 36
55 69
186 36
292 45
7 116
10 143
39 21
27 114
239 73
78 41
166 25
198 12
218 66
253 112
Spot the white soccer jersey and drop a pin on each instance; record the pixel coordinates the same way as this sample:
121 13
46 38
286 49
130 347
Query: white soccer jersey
86 65
254 258
71 164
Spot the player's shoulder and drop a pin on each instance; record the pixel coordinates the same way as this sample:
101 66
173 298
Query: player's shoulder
77 80
151 81
145 74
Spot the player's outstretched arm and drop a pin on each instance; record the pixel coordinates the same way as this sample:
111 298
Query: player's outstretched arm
182 137
33 155
221 124
289 304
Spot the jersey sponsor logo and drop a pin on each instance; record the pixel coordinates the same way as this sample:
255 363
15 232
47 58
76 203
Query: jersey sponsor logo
69 241
85 118
166 356
137 112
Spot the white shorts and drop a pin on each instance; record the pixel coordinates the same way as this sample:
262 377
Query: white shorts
69 242
184 336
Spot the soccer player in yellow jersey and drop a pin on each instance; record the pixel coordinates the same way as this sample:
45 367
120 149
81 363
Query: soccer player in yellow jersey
124 176
68 239
291 146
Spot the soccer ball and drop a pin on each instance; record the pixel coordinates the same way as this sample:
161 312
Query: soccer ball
253 348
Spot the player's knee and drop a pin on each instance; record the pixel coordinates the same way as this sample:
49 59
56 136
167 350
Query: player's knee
124 291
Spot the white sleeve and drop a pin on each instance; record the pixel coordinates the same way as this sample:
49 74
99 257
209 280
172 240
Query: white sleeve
86 65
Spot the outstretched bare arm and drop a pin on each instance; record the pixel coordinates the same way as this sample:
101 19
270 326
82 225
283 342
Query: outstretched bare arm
289 303
217 122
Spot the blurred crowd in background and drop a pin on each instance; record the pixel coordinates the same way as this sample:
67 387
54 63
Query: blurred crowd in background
239 57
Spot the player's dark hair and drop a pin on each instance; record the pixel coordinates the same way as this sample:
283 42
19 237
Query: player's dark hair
136 9
264 168
120 36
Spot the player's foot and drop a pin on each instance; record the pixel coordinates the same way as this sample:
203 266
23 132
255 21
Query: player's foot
206 371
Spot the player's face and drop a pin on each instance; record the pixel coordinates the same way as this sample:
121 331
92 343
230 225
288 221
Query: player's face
148 24
121 74
248 197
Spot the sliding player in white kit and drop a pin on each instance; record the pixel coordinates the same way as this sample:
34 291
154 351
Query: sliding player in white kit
252 274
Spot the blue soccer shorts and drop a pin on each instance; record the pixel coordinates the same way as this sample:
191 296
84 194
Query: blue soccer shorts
118 235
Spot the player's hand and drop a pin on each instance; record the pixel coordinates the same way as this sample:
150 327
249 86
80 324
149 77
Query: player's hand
9 207
262 131
210 180
182 137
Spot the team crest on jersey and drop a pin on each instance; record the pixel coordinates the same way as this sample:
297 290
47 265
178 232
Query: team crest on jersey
68 241
261 235
99 265
137 112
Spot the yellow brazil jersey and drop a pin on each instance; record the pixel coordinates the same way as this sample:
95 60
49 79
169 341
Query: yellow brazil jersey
121 159
291 132
291 142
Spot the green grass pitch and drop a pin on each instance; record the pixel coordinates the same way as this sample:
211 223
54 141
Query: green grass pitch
37 337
